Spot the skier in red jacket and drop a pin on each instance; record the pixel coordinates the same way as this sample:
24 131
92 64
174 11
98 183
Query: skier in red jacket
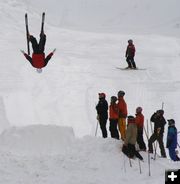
130 53
38 59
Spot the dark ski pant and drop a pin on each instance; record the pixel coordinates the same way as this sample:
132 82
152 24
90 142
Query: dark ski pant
172 154
38 48
140 140
113 128
131 62
159 138
130 151
102 123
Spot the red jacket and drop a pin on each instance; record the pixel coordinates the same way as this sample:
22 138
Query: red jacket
139 120
130 51
38 60
122 107
113 111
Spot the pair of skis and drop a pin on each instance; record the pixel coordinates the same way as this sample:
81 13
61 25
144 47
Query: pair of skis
27 29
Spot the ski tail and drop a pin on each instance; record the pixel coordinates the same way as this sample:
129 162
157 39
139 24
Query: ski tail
42 23
27 33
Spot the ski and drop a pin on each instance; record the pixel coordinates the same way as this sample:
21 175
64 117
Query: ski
27 33
42 23
130 68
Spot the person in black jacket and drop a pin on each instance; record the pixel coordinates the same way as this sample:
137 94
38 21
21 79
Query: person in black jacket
159 123
102 113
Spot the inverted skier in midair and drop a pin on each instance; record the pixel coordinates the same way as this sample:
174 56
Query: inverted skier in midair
38 59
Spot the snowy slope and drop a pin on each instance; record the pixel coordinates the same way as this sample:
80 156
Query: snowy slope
67 161
46 116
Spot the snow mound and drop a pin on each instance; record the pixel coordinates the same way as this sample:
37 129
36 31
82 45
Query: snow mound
36 139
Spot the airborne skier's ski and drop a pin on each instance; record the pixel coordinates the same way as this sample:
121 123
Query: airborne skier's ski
42 23
27 33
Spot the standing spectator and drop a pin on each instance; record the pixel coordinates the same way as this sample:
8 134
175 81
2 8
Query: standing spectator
159 123
172 140
113 118
122 114
130 140
140 125
130 53
102 113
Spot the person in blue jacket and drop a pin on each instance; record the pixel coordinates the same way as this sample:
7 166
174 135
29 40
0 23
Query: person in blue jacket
172 140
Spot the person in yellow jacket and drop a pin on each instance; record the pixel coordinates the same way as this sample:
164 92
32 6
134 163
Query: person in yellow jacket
122 114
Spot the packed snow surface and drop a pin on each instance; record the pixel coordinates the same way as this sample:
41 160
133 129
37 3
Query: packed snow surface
48 120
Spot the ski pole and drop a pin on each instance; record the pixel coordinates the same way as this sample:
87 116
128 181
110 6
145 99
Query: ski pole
130 163
124 162
155 152
139 166
145 132
154 144
162 106
96 128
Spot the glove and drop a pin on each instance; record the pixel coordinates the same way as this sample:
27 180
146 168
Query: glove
22 51
54 51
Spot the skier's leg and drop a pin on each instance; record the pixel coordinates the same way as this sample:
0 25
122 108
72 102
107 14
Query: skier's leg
140 140
42 42
102 123
133 62
129 62
131 149
111 128
172 154
150 142
161 145
116 133
34 43
122 127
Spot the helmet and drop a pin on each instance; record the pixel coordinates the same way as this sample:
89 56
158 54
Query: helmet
171 122
113 99
121 93
160 112
39 70
138 109
131 119
130 41
102 95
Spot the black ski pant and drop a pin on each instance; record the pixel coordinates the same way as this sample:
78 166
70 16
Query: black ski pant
130 151
131 62
38 48
113 128
140 140
103 123
159 138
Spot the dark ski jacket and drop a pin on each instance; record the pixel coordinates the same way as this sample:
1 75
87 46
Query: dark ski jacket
159 123
130 51
102 109
171 137
38 60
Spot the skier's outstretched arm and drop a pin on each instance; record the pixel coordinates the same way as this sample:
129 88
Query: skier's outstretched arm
27 56
49 57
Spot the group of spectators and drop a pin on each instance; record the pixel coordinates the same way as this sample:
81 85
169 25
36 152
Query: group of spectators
130 128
